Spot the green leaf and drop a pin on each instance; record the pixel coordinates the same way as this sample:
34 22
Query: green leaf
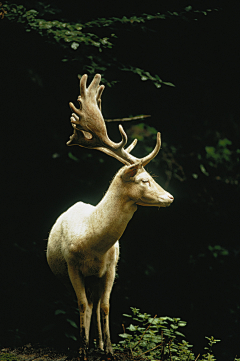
74 46
124 314
168 83
224 142
182 323
125 335
59 312
70 336
210 151
203 170
226 151
132 328
71 156
135 310
179 334
72 323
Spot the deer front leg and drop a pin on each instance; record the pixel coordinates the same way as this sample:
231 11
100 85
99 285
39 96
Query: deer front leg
88 319
108 280
106 333
98 327
78 284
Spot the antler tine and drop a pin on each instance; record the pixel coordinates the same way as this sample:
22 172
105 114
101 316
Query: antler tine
83 85
93 87
81 137
90 128
131 146
88 123
99 94
124 137
149 157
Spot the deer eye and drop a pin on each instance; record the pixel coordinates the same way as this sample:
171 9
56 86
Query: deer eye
145 181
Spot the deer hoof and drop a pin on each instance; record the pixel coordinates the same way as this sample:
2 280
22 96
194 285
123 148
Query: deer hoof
82 354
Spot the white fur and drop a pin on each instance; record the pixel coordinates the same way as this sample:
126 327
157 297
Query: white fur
83 245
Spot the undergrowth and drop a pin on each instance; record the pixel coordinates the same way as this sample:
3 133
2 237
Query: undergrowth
159 338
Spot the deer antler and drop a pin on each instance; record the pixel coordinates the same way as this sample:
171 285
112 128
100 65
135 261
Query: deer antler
90 128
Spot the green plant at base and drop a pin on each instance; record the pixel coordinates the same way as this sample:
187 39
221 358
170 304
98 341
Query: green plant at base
159 338
8 357
209 356
155 338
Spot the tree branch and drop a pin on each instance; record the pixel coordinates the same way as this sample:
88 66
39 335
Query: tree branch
128 119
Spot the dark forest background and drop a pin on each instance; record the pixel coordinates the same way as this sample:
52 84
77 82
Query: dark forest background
182 261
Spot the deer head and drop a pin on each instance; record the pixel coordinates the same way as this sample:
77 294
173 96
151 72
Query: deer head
90 128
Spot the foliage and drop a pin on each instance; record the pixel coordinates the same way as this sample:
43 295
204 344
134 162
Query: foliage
209 356
218 251
145 75
89 43
146 136
8 357
221 161
158 338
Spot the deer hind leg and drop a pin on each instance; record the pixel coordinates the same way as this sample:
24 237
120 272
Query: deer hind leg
100 292
94 292
78 284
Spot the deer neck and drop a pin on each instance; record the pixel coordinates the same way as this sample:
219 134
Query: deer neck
110 217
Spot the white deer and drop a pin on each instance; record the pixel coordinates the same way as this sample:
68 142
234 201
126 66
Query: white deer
83 244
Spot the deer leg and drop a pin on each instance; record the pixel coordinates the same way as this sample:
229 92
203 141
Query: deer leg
78 284
88 320
98 327
96 292
108 280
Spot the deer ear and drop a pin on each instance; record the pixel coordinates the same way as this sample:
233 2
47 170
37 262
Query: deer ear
130 171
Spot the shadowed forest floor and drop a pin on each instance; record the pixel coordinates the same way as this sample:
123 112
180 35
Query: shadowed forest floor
38 353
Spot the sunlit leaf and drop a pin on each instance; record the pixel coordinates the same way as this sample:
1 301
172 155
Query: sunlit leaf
74 45
203 170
